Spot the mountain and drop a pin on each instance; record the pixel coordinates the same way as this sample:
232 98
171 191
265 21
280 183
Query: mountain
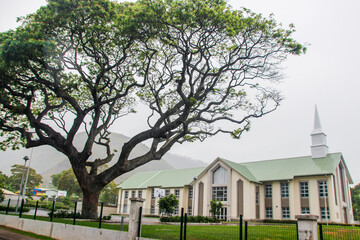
47 161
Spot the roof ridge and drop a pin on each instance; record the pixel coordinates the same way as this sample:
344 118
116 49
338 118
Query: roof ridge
284 158
158 172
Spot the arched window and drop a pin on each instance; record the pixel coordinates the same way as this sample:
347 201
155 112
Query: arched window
220 176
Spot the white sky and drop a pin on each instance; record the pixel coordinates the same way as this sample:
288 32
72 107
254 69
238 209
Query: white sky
327 76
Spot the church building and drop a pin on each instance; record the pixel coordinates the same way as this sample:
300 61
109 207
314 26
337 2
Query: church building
273 189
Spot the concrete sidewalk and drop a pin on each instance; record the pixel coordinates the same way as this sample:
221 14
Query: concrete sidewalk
9 235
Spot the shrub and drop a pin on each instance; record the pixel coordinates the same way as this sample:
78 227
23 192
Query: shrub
65 214
106 217
194 219
12 209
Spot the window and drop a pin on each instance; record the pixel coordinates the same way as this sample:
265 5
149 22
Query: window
285 212
305 210
140 194
257 198
325 214
152 210
304 189
190 211
177 193
284 190
125 208
176 211
153 194
323 192
126 194
133 194
190 192
219 176
219 193
268 212
268 191
167 192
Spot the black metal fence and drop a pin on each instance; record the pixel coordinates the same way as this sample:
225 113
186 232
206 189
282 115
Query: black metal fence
339 231
280 231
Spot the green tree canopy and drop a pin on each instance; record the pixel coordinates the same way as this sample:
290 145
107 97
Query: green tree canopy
109 194
355 198
3 179
168 204
13 182
201 68
67 181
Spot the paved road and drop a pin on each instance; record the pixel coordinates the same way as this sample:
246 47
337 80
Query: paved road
8 235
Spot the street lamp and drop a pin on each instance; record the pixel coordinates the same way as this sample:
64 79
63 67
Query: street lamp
21 183
27 174
193 207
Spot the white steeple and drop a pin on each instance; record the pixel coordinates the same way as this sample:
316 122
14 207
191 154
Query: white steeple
319 148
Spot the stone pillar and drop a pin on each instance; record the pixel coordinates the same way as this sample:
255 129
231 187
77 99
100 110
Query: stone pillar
135 204
307 227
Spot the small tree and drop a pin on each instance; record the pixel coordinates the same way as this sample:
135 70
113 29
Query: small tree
2 195
215 207
168 204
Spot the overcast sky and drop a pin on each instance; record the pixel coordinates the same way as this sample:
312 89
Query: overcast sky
327 76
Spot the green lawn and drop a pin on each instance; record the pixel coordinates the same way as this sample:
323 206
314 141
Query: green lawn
340 232
215 232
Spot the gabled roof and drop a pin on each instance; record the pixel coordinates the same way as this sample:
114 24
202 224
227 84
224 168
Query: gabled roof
288 168
161 179
261 171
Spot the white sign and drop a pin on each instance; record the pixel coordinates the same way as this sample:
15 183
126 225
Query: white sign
62 193
159 193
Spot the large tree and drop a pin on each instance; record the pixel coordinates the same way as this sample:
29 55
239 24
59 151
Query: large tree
200 67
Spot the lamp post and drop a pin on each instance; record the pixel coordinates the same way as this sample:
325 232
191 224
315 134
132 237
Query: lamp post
21 183
27 174
193 207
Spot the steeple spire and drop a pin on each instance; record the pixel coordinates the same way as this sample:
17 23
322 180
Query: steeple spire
319 149
317 124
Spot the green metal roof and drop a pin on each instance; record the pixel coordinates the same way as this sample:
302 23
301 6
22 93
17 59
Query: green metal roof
261 171
243 170
287 168
163 179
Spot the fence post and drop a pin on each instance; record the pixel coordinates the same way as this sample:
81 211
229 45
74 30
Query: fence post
321 231
185 222
246 230
297 231
139 223
135 204
122 223
36 207
52 211
101 211
307 226
75 213
7 208
241 230
181 222
21 208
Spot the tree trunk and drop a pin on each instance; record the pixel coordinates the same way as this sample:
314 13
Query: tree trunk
90 202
